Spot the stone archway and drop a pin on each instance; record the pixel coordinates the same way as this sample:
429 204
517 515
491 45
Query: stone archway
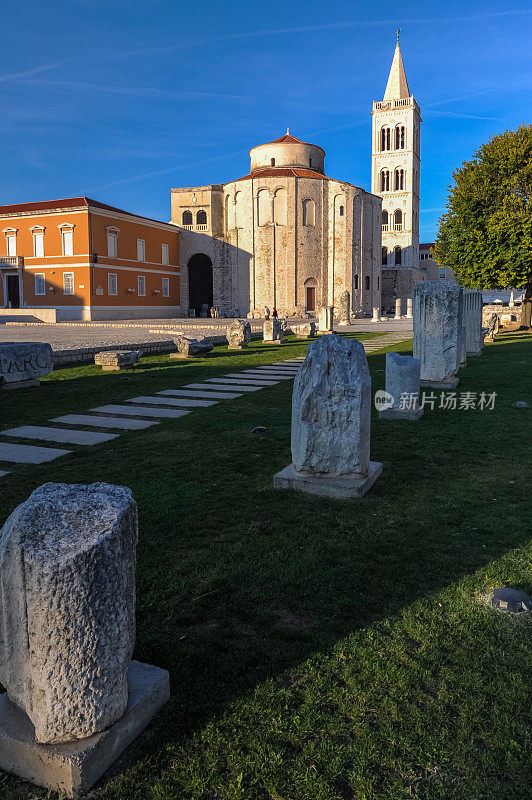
200 285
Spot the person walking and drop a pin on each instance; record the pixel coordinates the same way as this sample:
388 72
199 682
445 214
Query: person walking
274 313
266 312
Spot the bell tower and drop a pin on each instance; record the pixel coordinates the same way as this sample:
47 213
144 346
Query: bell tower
395 172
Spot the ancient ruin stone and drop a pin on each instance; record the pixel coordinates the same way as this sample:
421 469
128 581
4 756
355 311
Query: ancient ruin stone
437 330
67 621
305 330
473 321
238 334
402 376
344 308
325 319
110 360
331 408
23 363
187 346
272 330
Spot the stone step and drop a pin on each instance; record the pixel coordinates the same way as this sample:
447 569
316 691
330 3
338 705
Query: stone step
198 393
276 375
29 454
242 377
105 422
185 402
222 386
141 411
59 435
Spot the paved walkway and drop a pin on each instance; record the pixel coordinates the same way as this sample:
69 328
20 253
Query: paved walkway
137 413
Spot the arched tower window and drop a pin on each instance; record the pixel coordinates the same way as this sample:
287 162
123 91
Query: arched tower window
385 220
279 207
385 180
310 163
399 179
272 162
309 212
385 139
264 207
384 255
398 220
368 282
397 251
201 217
341 211
186 218
400 139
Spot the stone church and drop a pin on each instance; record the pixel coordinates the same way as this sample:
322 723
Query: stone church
286 236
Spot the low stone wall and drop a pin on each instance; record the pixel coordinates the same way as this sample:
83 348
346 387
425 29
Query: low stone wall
506 314
88 353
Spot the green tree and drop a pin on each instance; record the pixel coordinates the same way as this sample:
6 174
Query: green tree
486 234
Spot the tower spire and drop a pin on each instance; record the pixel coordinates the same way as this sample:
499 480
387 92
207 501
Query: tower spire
397 86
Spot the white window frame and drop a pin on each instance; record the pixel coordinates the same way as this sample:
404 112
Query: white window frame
165 254
112 241
67 241
141 279
42 276
11 244
166 287
38 235
141 250
69 275
115 276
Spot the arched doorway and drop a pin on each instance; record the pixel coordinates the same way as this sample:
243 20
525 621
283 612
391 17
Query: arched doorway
200 292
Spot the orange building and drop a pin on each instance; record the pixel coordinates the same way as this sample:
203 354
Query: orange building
88 261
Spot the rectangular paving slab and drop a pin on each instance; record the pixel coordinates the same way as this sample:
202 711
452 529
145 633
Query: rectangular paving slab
59 435
29 454
185 402
276 375
141 411
198 393
221 386
105 422
242 377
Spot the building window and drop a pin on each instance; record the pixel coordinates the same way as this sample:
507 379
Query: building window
399 180
384 255
38 244
40 283
398 220
141 250
397 252
112 283
164 254
112 243
310 163
309 213
367 282
356 281
68 283
166 287
378 282
272 162
67 237
201 218
11 244
186 219
264 207
341 211
279 207
399 137
384 220
385 180
385 139
141 286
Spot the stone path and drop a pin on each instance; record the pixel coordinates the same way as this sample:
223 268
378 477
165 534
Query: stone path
137 413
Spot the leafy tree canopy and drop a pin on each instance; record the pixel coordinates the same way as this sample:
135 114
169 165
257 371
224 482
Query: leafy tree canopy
486 234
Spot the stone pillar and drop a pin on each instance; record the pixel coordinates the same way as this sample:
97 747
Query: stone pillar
345 308
511 304
462 331
376 315
398 308
67 631
409 308
325 319
331 412
473 322
272 331
402 383
437 331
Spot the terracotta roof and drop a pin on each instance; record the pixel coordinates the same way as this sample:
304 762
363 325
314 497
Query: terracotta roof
66 202
289 139
283 172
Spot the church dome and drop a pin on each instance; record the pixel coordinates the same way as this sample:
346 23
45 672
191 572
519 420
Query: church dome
287 151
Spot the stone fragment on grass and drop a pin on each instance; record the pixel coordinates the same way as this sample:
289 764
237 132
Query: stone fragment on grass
23 363
111 360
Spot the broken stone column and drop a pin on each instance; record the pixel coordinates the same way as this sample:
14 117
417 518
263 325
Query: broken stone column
473 321
304 331
402 384
188 347
238 334
23 363
325 319
398 308
437 332
462 331
409 308
67 630
345 308
331 412
376 315
272 331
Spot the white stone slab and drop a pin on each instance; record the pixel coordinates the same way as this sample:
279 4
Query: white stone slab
278 376
185 402
29 454
104 422
243 377
141 411
59 435
3 472
221 387
198 393
279 365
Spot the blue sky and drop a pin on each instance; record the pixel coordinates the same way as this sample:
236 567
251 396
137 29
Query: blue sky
123 99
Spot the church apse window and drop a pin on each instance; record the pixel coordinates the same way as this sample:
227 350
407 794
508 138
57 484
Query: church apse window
367 282
399 180
385 180
400 137
186 218
385 139
279 207
201 219
341 211
309 213
356 281
398 220
397 252
264 207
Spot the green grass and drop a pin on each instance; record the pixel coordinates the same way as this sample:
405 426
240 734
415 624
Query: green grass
318 649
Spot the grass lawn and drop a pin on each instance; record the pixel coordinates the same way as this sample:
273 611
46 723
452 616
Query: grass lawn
318 649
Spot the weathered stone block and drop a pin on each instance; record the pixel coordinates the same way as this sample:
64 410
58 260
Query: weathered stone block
238 334
325 319
473 321
437 331
67 623
304 331
110 360
188 347
23 363
272 331
344 308
402 383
